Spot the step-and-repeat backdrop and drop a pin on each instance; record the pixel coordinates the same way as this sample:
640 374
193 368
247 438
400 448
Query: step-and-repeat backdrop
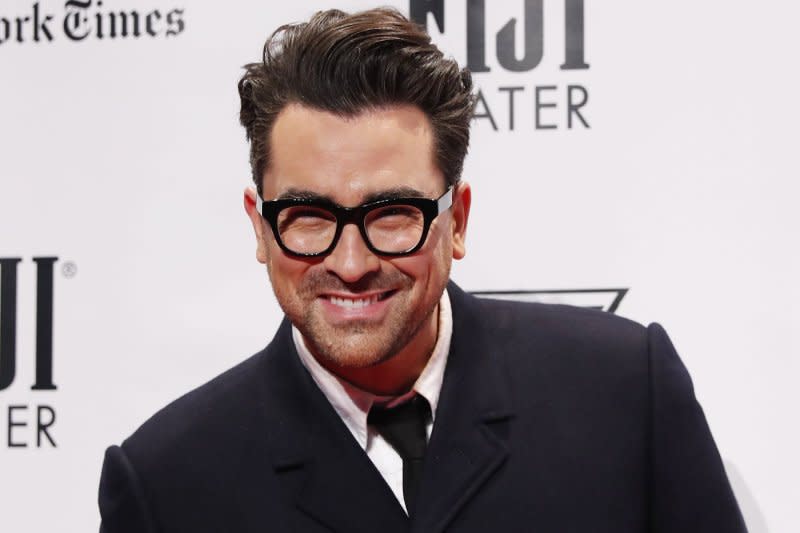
639 157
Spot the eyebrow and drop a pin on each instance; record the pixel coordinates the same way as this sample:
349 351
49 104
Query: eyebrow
303 194
391 193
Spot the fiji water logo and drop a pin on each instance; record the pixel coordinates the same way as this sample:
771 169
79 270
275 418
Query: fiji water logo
28 424
519 47
601 299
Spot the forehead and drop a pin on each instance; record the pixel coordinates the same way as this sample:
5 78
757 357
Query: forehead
350 158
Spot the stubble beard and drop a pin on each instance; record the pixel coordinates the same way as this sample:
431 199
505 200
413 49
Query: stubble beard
356 344
363 344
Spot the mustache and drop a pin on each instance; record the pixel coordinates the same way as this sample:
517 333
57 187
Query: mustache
324 281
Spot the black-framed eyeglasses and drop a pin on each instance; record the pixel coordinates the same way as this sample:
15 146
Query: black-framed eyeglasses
393 227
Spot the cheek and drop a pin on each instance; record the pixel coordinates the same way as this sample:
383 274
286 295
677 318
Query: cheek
415 266
428 266
284 271
441 241
433 260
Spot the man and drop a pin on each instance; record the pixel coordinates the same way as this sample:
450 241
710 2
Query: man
390 400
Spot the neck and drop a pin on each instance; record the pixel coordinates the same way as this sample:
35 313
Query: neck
397 374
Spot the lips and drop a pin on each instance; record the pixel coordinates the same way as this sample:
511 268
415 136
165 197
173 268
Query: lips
353 304
357 302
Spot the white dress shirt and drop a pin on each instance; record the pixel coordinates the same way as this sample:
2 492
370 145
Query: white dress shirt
353 404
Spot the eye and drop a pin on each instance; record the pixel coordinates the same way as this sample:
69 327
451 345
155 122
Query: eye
394 216
304 217
397 211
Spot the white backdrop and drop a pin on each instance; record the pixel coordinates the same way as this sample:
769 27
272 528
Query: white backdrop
123 157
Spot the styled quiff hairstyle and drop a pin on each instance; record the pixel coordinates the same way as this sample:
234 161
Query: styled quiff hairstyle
351 63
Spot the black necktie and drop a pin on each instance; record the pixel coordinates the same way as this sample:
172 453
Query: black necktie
403 427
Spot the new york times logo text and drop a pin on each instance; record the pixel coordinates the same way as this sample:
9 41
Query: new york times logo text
85 20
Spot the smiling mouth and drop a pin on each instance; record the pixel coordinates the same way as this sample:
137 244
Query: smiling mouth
358 303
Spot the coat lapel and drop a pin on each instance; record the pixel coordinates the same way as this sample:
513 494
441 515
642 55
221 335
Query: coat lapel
317 462
468 443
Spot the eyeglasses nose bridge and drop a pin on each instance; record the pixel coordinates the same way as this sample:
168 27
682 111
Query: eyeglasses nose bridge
351 215
355 257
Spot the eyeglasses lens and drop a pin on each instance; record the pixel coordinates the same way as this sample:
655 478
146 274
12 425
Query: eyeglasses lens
394 228
305 229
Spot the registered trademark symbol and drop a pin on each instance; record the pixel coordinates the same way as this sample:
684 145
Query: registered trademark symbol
69 269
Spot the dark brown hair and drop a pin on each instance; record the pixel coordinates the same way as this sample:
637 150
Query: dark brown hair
351 63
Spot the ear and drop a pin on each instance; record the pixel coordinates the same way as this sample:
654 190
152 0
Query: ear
259 226
462 198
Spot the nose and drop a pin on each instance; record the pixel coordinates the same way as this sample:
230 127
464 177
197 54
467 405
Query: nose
351 260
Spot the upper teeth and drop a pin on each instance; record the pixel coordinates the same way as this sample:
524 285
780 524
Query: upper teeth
347 302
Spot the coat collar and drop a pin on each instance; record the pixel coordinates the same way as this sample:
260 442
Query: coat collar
331 479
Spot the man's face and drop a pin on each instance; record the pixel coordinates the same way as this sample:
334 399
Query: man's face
355 308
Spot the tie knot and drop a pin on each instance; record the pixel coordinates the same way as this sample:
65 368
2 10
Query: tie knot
404 426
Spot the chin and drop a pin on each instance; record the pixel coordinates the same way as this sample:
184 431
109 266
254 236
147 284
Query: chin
347 355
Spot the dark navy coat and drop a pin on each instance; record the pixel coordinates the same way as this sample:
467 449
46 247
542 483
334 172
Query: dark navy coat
551 419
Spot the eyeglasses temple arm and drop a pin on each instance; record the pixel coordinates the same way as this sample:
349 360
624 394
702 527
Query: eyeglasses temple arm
445 201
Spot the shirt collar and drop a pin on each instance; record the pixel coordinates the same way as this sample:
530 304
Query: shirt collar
352 404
